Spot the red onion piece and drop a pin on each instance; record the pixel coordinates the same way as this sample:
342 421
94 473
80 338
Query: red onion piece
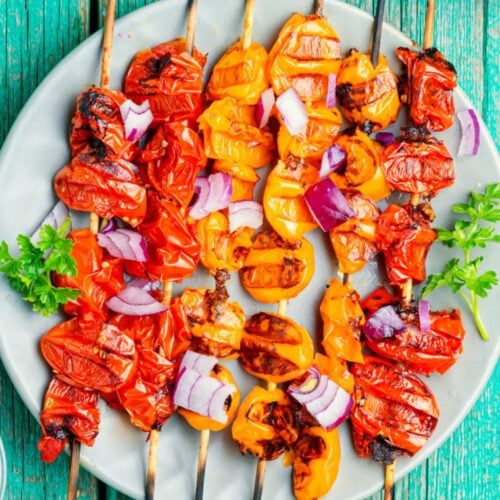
55 218
136 119
216 406
327 402
214 193
202 394
134 301
124 244
199 362
385 138
186 379
383 323
293 111
245 213
327 204
470 140
146 285
264 107
331 91
333 159
111 225
424 309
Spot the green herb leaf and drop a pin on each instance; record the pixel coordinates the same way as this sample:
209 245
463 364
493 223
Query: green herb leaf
30 273
469 233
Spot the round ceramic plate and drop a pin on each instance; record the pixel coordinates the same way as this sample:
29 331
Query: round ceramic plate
38 146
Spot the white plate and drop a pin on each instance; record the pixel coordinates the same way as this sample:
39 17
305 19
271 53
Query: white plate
37 147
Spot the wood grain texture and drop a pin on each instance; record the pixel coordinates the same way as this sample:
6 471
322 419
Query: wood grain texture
36 34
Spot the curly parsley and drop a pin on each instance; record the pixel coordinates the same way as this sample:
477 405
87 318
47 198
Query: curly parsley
463 277
30 273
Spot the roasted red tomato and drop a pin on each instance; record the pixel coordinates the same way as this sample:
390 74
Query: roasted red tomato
266 423
174 250
394 412
425 352
168 330
98 277
275 348
68 413
147 395
91 354
169 78
404 235
418 163
176 157
98 124
377 299
108 187
428 89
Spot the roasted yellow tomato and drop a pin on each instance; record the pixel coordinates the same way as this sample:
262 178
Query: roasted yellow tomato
315 462
305 53
342 318
284 204
216 325
266 423
243 178
363 171
355 241
323 126
200 422
367 94
240 73
276 269
230 133
275 348
220 248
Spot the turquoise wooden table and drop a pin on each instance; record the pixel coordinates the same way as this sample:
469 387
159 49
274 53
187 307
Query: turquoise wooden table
37 34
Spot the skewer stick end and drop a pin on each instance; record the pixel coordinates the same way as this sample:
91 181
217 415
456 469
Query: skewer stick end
202 463
390 473
74 469
154 439
259 479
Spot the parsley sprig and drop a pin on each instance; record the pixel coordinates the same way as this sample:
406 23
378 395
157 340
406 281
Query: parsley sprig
470 232
30 273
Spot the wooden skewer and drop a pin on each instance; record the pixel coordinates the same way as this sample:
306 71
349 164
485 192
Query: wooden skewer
107 46
407 288
319 7
246 39
73 470
260 472
154 435
379 21
191 26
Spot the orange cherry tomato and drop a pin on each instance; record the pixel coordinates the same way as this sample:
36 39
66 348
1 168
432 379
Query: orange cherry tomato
275 348
284 204
343 319
266 423
276 269
367 95
216 325
306 51
240 73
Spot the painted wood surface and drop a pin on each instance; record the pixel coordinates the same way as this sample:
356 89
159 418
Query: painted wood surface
36 34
